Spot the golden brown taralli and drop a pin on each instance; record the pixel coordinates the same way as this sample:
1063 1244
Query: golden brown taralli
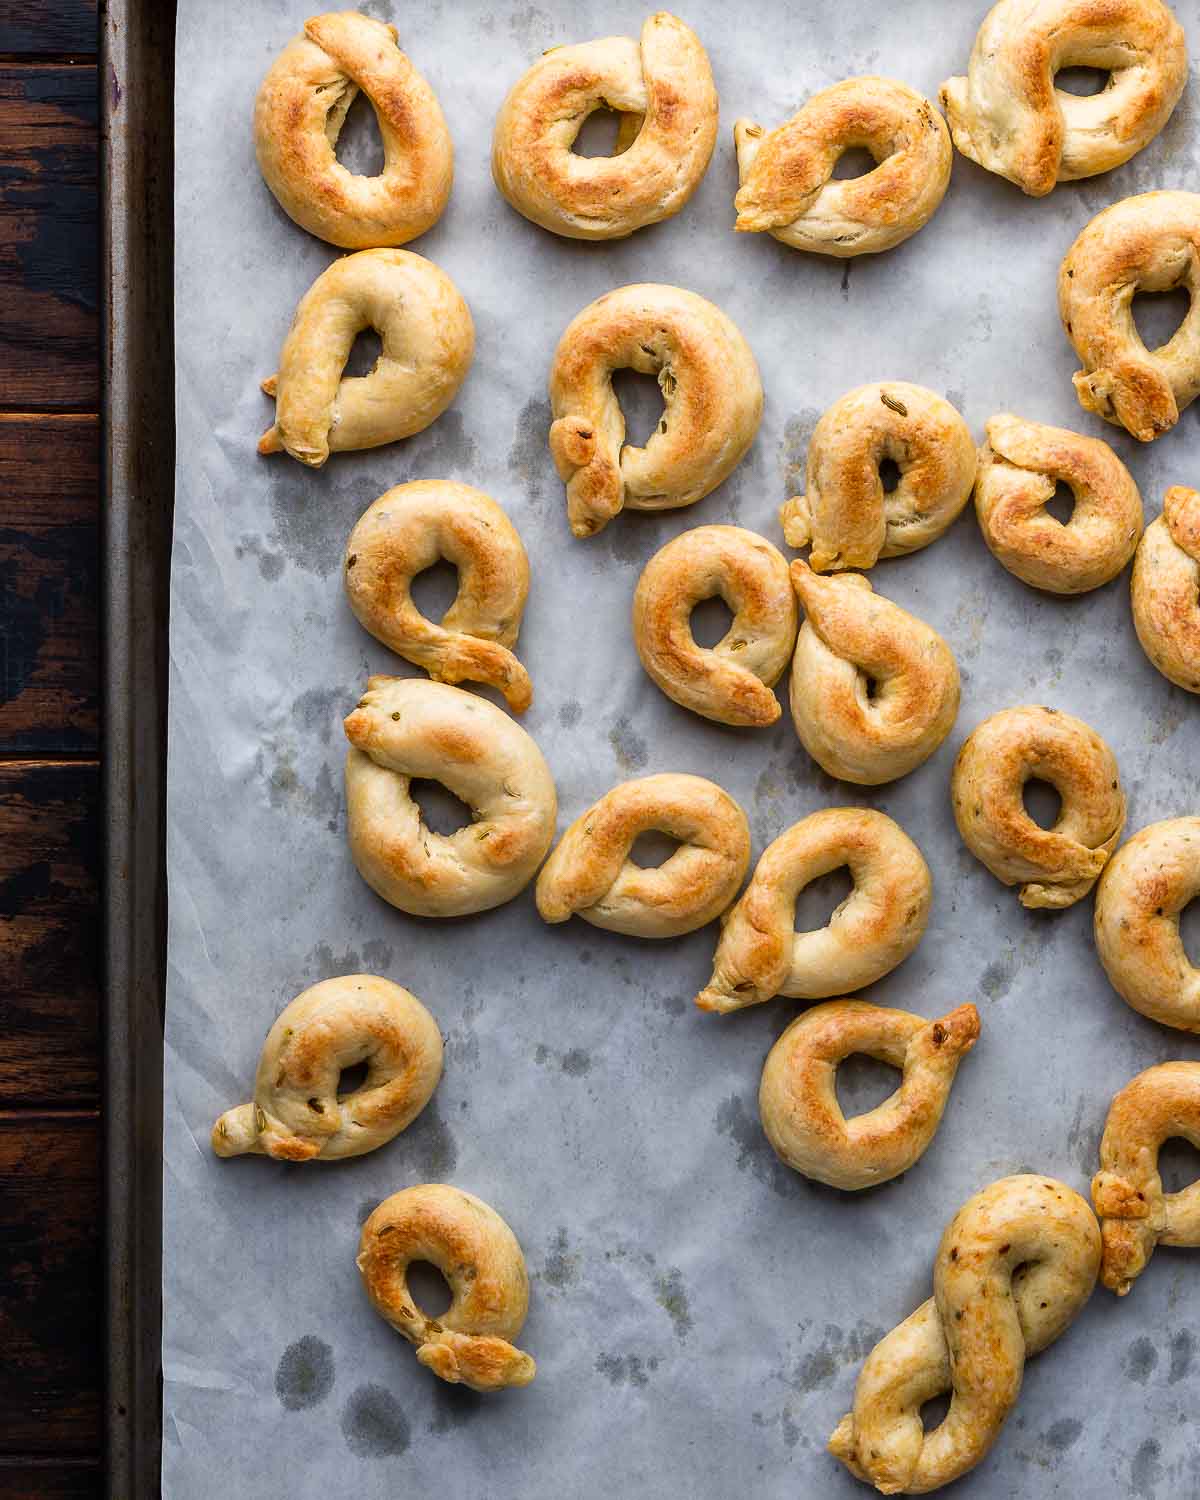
478 1254
1015 1268
1136 1214
1055 867
787 184
428 343
797 1098
847 516
407 530
760 954
730 682
661 87
591 872
297 1113
874 690
1007 115
1020 466
712 403
1150 243
1165 589
298 117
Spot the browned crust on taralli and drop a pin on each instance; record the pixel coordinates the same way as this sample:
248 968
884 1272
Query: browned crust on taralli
1165 589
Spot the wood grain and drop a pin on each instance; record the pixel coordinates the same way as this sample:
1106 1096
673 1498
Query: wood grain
41 28
51 1480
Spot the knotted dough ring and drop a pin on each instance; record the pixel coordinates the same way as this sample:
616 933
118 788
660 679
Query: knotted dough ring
874 690
1135 1212
297 1113
591 872
663 90
730 682
1165 589
478 1254
1056 866
1007 115
405 727
798 1102
1150 243
1145 886
760 954
1014 1269
786 174
846 515
1019 467
428 343
298 116
712 403
407 530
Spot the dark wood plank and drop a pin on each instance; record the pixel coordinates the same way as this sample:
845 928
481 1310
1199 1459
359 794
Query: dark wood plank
49 584
49 246
49 935
50 1480
38 28
50 1272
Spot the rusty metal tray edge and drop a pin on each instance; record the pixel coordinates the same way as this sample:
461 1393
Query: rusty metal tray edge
137 148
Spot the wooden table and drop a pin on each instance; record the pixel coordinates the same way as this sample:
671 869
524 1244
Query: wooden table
50 1097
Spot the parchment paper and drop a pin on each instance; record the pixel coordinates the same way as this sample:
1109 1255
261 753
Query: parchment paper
699 1312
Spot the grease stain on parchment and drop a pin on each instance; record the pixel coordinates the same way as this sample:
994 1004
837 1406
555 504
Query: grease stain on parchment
304 1375
374 1424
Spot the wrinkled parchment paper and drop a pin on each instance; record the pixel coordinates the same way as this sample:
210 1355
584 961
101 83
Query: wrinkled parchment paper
699 1313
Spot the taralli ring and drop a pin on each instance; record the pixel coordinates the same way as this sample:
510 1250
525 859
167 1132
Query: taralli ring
1055 867
591 872
798 1102
874 690
1146 244
661 87
428 343
1136 1214
786 174
1020 467
1144 889
1165 589
846 514
760 954
409 529
1007 115
406 727
730 682
1015 1268
712 403
298 116
478 1254
297 1113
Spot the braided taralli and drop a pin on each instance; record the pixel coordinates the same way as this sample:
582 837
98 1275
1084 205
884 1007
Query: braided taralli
1015 1267
1165 589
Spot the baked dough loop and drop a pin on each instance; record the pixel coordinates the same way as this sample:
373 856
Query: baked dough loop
478 1254
730 682
1015 1267
428 343
1056 866
846 514
798 1102
760 954
1165 589
407 530
405 727
298 116
712 403
1020 466
1007 115
662 88
1136 1214
591 871
1150 243
1142 893
786 174
874 690
297 1113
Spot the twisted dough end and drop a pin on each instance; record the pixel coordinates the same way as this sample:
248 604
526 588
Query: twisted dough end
484 1364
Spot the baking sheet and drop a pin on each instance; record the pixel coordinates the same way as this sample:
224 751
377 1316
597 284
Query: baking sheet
699 1313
